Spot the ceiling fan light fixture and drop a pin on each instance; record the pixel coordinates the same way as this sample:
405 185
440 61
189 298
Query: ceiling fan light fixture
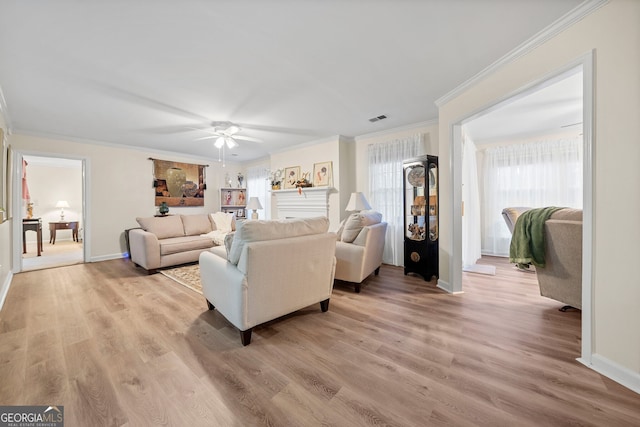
219 142
231 143
232 129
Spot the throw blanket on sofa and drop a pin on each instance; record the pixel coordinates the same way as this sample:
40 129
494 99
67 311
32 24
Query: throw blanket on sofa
527 242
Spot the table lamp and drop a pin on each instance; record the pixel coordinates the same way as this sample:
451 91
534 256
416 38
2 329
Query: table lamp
357 203
62 204
254 204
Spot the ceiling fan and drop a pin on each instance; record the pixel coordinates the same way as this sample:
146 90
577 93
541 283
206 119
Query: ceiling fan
225 133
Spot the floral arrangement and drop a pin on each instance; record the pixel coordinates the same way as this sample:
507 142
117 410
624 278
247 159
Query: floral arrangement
304 180
276 178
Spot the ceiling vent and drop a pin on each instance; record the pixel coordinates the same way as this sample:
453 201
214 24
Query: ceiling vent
375 119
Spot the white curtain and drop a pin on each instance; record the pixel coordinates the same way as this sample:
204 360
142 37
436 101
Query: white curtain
385 189
538 174
257 186
471 224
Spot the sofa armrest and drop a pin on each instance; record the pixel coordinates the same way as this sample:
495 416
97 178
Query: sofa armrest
145 249
561 278
224 286
357 260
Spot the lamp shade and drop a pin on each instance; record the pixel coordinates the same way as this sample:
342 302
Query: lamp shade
357 202
254 203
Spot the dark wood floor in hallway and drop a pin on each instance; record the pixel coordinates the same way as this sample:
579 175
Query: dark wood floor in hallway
117 347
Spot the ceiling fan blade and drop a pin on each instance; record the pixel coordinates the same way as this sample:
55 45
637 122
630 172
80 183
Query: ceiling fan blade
207 137
247 138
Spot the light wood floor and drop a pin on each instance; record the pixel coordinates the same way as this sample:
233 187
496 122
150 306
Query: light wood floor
117 347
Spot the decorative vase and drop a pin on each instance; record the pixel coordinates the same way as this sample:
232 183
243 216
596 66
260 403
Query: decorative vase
163 209
176 177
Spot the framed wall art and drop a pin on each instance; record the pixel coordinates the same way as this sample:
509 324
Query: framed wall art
291 176
322 174
178 184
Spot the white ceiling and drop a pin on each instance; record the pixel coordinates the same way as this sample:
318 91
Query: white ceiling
142 72
554 107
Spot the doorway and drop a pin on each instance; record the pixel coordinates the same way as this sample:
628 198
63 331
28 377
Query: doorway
50 202
586 64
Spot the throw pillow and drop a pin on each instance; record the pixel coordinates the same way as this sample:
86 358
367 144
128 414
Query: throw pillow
163 227
196 224
228 241
340 229
223 221
356 222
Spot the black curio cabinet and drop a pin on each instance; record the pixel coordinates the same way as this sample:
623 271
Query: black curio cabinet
420 185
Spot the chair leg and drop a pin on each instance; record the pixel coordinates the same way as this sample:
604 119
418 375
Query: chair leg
324 305
209 305
377 271
245 336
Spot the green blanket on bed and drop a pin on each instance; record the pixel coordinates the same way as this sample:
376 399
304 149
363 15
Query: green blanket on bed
527 242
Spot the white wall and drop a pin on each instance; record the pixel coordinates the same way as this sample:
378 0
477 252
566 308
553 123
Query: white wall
614 32
120 187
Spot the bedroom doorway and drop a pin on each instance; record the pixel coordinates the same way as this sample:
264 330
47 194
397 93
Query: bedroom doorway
50 196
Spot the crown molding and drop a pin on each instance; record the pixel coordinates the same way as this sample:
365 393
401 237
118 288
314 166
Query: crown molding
426 123
538 39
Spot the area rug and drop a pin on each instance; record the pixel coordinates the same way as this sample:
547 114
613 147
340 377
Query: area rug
481 269
186 275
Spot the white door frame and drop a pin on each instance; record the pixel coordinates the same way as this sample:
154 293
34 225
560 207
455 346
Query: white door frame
16 204
588 84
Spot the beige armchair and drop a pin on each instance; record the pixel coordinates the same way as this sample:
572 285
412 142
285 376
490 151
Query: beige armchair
272 268
561 278
360 247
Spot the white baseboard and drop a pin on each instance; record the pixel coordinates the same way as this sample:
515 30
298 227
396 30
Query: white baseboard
446 286
613 371
109 257
4 290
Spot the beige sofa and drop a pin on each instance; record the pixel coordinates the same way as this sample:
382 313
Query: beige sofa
176 239
360 247
271 268
561 278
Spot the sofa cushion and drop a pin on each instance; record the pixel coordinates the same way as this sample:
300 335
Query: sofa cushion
356 222
223 221
195 225
255 231
176 245
163 227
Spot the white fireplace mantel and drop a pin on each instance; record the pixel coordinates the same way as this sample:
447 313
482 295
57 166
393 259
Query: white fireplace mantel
309 202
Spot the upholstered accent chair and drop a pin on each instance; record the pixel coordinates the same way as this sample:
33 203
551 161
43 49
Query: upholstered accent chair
359 247
268 270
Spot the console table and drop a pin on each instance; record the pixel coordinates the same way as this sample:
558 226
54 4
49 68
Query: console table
63 225
33 224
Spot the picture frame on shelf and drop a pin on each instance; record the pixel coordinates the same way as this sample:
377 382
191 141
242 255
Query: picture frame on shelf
240 213
291 176
322 174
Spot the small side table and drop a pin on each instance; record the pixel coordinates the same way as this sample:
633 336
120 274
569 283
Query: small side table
33 224
63 225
